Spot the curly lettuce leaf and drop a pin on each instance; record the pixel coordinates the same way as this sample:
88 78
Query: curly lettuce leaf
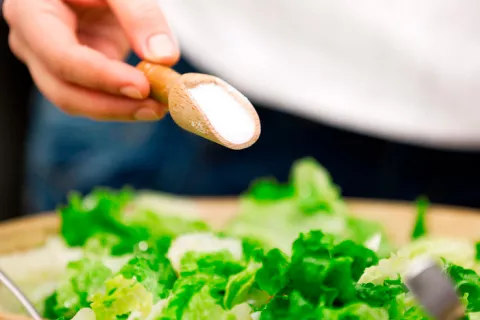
164 224
82 280
290 306
392 296
269 189
203 305
97 213
197 296
360 311
273 275
203 243
453 250
275 214
362 257
319 273
221 263
314 189
153 271
380 295
294 306
121 297
116 222
467 283
240 287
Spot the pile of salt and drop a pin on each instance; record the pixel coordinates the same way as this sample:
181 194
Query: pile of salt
225 113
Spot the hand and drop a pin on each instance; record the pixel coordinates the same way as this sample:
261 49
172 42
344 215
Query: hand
74 51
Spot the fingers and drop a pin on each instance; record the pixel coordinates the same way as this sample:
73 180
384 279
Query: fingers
76 78
65 57
147 29
95 105
78 101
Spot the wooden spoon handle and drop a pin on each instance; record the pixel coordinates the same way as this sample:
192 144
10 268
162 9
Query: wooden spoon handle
161 80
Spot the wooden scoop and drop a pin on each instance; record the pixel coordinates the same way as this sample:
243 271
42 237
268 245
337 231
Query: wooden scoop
172 89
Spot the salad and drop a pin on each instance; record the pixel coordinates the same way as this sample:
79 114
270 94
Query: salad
293 252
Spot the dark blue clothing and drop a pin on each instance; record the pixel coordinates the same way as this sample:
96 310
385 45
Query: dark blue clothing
68 153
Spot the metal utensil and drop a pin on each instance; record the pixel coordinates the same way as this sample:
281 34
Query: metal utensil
20 296
434 289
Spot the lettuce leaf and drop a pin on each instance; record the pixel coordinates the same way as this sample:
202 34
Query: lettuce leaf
116 222
97 213
477 251
273 275
153 271
121 297
275 214
83 279
360 311
420 227
467 283
240 286
453 250
294 252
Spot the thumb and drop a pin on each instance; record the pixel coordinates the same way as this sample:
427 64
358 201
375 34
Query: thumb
147 30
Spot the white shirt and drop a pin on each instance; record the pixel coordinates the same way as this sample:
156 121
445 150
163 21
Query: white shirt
406 70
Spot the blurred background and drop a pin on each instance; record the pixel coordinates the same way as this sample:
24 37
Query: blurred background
384 147
16 86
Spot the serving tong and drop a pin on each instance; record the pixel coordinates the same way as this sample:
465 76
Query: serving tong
433 289
10 285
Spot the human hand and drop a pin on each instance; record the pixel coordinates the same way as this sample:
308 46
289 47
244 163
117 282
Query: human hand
74 51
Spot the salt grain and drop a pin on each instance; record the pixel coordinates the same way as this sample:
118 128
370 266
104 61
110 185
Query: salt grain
225 113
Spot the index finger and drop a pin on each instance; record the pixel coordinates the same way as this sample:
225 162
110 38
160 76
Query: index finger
147 29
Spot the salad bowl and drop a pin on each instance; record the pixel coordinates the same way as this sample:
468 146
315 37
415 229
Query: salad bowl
294 250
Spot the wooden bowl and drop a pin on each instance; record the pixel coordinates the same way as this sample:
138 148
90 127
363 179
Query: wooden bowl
397 217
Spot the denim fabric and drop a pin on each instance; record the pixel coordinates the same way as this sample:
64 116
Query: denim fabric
66 153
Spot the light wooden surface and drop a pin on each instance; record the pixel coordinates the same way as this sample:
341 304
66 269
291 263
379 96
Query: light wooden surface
397 218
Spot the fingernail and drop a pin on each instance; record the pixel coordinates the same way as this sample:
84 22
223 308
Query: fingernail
131 92
160 46
146 114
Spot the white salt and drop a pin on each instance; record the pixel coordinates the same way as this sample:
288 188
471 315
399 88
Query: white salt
225 113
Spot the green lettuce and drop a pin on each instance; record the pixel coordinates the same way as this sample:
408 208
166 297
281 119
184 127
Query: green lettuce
211 286
83 279
467 283
477 249
116 222
274 214
153 271
295 251
121 297
420 227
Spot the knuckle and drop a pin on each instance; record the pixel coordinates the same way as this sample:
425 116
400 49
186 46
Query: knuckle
8 12
13 43
16 47
62 70
62 64
80 72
